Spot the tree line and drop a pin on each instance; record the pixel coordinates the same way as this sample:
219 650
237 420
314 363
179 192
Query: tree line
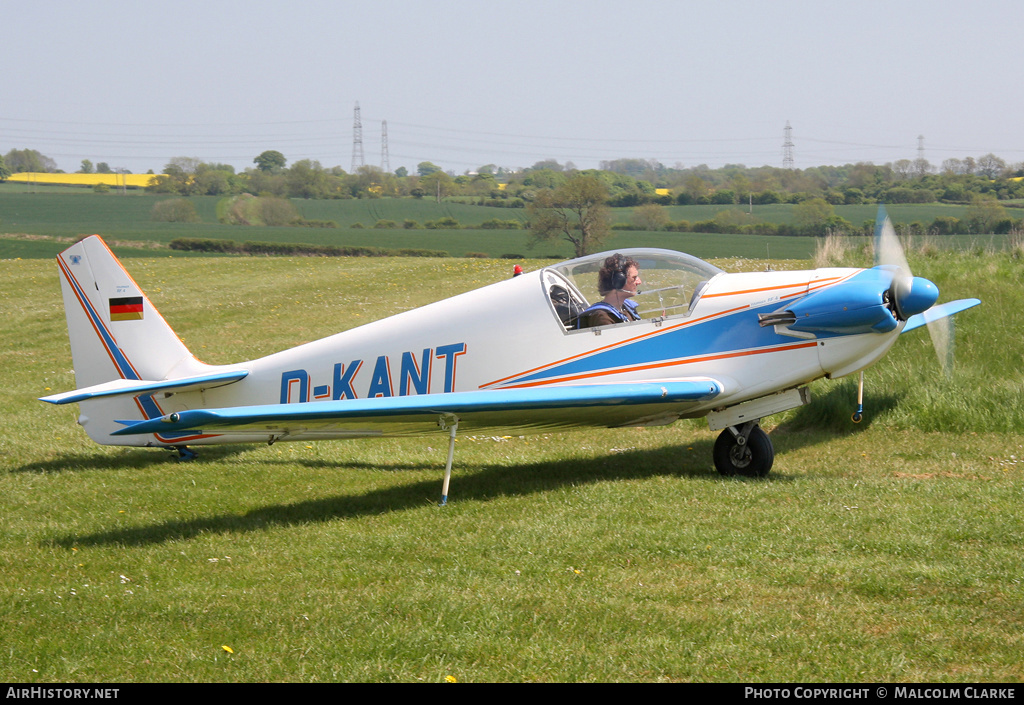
629 182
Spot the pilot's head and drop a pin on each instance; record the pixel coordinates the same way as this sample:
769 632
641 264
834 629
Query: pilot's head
619 273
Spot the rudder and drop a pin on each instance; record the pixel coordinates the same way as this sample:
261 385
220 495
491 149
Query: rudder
115 333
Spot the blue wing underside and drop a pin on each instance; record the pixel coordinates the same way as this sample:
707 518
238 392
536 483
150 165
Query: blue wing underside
600 405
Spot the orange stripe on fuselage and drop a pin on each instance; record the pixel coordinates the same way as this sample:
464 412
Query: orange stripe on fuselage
802 288
659 365
603 348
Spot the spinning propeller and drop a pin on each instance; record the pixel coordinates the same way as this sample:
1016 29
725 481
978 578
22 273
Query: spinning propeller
907 296
910 295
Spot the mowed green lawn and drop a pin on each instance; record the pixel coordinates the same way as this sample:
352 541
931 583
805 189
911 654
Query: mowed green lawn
884 551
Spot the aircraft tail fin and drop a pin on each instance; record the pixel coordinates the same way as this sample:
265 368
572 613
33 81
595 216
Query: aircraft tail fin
116 334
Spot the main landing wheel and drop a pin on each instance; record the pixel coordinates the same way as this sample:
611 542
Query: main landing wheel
745 451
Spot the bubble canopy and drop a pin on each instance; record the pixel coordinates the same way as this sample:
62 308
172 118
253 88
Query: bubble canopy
671 281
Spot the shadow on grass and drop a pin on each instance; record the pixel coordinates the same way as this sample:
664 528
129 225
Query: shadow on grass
487 483
132 459
829 416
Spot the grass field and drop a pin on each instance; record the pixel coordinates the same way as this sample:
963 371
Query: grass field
41 224
888 551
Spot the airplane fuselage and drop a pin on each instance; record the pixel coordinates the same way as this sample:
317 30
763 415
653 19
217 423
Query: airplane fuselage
508 336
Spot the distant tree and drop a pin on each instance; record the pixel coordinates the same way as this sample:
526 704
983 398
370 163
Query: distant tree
175 210
86 167
723 197
866 176
428 168
276 211
401 172
372 182
270 161
551 164
307 179
104 168
813 214
480 184
984 214
952 166
991 166
852 196
903 168
178 177
731 221
649 216
437 184
256 181
5 173
29 160
214 182
543 178
765 197
954 193
695 188
576 211
633 167
945 225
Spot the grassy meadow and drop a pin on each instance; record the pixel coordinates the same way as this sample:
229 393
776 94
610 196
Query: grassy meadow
887 551
43 223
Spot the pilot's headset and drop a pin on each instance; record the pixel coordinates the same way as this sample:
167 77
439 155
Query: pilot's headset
619 275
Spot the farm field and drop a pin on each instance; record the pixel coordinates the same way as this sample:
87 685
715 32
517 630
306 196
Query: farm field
41 224
887 551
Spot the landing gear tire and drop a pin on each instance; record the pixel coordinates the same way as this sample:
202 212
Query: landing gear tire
752 457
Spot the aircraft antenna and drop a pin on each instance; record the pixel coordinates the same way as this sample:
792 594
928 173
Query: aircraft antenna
385 165
357 141
787 148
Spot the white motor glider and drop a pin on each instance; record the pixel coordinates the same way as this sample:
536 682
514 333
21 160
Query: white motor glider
507 357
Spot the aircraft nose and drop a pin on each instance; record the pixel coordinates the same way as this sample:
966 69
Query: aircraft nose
913 295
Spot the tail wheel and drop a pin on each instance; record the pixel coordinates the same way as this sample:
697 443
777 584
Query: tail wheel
748 453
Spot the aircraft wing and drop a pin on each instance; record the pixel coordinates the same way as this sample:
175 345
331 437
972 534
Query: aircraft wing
135 387
554 407
940 311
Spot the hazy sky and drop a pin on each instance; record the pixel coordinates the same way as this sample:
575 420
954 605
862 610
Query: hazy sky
468 83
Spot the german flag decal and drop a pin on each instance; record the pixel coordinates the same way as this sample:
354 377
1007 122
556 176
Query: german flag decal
128 308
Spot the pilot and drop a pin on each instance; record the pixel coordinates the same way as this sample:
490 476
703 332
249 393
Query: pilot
616 282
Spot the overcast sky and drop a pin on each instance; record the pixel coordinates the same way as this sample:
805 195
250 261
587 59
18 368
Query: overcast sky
468 83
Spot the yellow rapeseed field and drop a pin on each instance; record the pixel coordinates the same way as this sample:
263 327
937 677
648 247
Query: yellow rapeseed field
113 180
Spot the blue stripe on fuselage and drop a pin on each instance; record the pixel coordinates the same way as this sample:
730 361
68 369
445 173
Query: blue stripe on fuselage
729 333
721 334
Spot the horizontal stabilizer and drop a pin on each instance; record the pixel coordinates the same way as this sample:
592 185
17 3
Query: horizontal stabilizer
593 405
136 387
937 312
